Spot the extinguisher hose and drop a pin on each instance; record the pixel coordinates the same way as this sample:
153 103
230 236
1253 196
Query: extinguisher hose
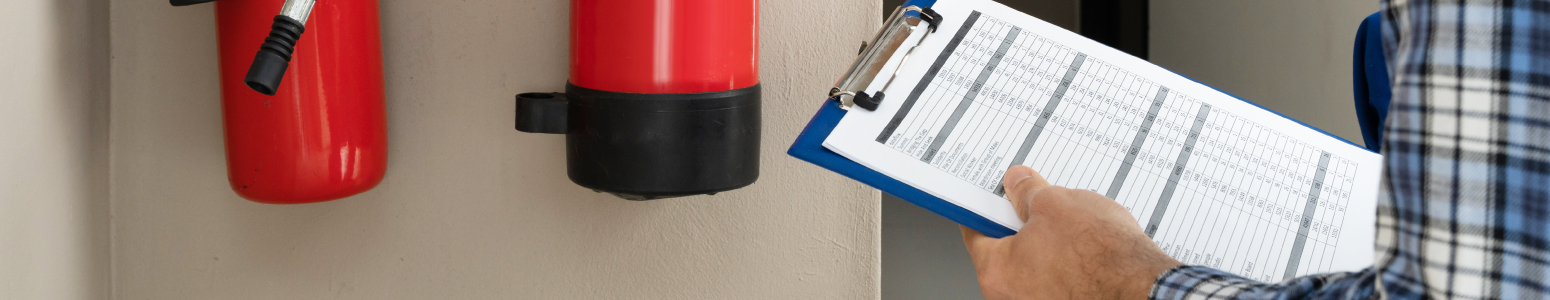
274 56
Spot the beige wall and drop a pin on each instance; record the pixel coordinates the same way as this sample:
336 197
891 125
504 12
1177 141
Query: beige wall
53 150
1293 57
471 209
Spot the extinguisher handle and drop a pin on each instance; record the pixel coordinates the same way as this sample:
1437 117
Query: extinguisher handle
274 56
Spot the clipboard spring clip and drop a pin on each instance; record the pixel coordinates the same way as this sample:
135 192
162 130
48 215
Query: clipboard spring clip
849 91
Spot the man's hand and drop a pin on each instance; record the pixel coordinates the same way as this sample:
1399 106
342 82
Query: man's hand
1076 245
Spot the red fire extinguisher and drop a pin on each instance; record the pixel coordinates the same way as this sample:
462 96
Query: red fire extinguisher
304 116
663 98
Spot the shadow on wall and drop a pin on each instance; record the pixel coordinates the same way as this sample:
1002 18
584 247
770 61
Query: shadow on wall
80 58
1059 12
923 255
53 154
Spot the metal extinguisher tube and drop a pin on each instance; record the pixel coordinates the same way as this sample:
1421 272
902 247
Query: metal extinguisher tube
297 9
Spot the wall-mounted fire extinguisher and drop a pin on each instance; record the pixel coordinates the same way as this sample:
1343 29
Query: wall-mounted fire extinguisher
663 98
301 98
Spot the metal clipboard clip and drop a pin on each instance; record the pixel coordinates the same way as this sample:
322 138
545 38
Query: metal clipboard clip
903 22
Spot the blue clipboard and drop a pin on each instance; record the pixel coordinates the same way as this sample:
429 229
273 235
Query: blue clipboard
809 147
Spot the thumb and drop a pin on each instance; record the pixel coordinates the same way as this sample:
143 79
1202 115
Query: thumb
1020 183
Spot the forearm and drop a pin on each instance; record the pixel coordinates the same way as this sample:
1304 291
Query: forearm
1197 282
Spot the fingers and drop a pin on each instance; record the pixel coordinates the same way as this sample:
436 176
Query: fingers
977 243
1020 183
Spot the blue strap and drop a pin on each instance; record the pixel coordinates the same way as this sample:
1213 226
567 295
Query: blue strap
1371 80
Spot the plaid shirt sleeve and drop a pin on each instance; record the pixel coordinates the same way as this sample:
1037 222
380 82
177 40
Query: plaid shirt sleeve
1463 210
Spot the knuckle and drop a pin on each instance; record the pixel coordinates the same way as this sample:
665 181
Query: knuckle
1028 190
1028 183
1047 194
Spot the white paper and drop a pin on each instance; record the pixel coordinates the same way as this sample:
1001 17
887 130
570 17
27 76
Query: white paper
1215 180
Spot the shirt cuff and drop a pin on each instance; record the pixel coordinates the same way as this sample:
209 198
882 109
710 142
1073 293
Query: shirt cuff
1197 282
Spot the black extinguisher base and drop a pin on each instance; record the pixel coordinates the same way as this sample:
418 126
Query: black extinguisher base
652 146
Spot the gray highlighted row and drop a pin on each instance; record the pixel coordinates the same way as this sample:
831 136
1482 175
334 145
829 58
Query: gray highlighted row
1178 170
1307 216
925 81
968 97
1049 111
1135 144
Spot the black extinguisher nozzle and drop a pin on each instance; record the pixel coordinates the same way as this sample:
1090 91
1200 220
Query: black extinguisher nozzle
274 56
188 2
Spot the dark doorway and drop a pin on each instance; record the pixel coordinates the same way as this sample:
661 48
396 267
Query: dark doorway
1062 13
1121 24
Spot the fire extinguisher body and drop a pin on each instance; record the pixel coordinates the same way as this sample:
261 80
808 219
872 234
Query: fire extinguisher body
323 135
663 97
664 46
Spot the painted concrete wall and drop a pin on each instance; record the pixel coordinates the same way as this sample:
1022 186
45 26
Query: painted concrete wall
1293 57
471 209
53 150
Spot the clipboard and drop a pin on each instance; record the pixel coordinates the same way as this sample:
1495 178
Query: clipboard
847 94
809 144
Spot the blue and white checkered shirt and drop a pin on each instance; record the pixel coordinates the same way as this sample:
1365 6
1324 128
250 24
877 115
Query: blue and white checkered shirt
1463 212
